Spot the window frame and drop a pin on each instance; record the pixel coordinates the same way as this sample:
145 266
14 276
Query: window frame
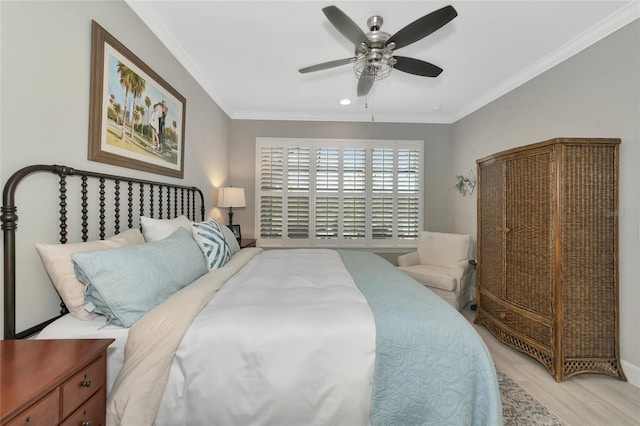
313 143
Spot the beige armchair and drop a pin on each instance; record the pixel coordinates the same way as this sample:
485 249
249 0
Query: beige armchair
442 264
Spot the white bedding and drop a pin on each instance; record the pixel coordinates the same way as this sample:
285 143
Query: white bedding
260 363
261 355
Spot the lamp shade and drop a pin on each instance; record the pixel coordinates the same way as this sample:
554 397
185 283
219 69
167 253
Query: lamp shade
231 197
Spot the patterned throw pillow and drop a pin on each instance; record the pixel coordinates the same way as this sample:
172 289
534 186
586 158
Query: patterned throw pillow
214 246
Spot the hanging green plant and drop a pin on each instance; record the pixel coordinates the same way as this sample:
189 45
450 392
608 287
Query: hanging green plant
466 184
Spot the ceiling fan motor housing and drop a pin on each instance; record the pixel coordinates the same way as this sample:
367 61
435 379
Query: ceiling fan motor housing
375 56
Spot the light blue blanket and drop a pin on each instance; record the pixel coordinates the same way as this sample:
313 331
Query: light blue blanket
431 368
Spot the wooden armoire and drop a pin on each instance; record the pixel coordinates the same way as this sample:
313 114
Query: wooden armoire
547 274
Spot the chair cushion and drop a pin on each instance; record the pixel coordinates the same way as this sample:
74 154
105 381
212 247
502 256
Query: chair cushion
436 248
431 276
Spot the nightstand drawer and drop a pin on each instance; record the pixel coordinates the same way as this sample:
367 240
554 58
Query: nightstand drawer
91 413
80 387
44 412
70 373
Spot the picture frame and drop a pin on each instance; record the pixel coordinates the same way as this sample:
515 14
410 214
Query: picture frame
136 118
236 232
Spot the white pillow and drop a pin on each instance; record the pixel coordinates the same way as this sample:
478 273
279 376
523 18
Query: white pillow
214 246
231 239
159 229
57 261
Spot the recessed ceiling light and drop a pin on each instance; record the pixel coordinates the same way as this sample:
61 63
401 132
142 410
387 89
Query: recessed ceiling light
345 101
437 107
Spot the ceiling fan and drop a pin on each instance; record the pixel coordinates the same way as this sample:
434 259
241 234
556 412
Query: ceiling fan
374 51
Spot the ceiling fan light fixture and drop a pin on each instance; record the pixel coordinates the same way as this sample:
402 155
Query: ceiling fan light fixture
379 68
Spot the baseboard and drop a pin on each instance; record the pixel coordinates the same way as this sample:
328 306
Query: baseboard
632 372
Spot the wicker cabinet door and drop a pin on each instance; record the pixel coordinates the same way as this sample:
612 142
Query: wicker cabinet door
491 221
589 229
529 224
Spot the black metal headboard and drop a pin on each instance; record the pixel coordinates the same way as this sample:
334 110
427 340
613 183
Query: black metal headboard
154 199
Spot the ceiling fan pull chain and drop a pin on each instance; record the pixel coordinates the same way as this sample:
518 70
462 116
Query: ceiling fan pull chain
373 105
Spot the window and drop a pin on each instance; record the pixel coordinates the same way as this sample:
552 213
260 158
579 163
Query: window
338 193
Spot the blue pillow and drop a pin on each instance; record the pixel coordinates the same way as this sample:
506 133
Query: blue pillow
124 283
210 238
234 247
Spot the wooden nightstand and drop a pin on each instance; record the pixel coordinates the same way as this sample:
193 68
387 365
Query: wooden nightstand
52 382
246 242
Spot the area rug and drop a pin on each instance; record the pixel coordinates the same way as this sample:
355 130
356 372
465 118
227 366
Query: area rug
520 408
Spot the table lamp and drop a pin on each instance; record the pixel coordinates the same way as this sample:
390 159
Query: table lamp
231 197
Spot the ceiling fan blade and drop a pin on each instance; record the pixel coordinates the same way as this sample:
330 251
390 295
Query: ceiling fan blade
345 25
417 67
423 27
365 82
326 65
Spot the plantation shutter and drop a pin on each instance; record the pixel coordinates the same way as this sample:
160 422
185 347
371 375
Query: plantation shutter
298 169
327 184
298 174
339 193
382 215
298 218
270 217
408 193
271 180
272 167
354 193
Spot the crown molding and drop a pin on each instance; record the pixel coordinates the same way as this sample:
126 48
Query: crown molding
144 10
344 117
614 22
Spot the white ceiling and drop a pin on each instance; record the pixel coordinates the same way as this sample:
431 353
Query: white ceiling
246 54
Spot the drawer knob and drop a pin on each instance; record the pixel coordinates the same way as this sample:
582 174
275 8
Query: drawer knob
86 384
86 423
503 315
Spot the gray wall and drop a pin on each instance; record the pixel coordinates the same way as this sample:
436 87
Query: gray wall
593 94
438 176
46 51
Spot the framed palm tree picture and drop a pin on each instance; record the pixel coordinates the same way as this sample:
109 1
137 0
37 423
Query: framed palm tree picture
136 118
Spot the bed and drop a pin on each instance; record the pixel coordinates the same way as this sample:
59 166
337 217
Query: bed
268 337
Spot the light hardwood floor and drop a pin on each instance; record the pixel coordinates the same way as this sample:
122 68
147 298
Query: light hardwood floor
588 399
